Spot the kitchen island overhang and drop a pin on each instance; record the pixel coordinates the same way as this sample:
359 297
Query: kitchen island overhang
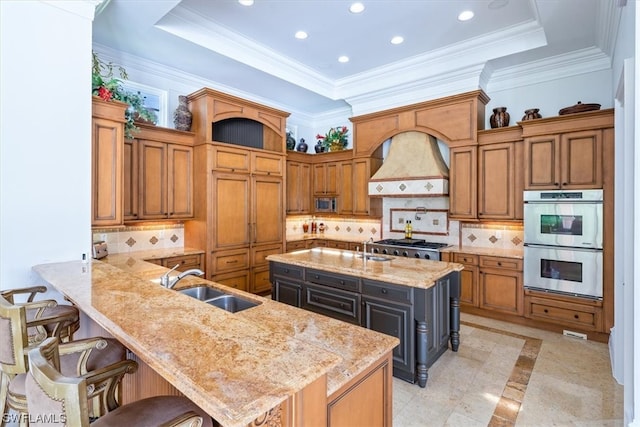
417 301
236 366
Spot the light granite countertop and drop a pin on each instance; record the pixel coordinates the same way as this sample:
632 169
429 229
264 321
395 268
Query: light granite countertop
399 270
236 366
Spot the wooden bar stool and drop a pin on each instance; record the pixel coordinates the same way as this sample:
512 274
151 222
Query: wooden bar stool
50 392
88 358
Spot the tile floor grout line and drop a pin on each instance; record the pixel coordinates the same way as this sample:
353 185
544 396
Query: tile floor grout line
508 407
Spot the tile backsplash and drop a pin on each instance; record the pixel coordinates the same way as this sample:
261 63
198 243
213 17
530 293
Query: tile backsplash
358 229
141 238
492 235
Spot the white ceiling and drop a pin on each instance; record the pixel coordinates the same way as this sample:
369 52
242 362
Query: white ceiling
253 49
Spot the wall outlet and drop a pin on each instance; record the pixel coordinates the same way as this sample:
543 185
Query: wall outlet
103 237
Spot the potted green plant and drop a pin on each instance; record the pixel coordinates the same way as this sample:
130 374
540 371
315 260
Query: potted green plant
107 85
335 139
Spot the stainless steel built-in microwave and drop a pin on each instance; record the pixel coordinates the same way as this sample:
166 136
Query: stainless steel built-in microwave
326 204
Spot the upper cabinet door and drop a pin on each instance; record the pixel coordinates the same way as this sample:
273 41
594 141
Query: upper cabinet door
153 180
564 161
106 172
496 181
180 181
581 154
463 182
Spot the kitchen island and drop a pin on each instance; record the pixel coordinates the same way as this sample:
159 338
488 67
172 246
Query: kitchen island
415 300
269 363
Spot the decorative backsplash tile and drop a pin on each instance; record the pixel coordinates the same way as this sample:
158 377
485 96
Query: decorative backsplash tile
359 229
141 238
505 236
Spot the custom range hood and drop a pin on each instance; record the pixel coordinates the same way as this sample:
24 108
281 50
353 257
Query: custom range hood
413 168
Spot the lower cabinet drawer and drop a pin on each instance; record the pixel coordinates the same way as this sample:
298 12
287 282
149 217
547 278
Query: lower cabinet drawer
286 270
564 313
335 281
332 302
387 291
236 259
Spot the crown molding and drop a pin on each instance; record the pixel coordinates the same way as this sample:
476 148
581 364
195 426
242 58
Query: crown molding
194 28
553 68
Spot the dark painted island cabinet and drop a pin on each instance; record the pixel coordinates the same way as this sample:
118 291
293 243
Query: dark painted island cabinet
423 319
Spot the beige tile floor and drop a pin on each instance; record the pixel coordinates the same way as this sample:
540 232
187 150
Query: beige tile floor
510 375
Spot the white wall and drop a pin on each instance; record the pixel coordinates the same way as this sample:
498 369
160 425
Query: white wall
45 131
551 96
624 347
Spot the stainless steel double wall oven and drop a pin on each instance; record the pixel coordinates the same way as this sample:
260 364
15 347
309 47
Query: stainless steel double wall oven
563 241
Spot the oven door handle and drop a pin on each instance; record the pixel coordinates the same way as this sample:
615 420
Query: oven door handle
566 248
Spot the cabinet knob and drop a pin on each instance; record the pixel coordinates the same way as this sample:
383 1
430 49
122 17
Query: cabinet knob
316 276
556 184
383 290
565 183
286 270
546 311
342 282
500 264
575 316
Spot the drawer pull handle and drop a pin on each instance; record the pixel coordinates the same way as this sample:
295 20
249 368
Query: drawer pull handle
232 262
383 290
342 282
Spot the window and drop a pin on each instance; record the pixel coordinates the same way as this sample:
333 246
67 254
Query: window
154 99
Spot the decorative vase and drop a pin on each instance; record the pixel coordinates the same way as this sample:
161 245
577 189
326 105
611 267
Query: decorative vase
302 146
318 147
291 142
531 114
499 118
182 116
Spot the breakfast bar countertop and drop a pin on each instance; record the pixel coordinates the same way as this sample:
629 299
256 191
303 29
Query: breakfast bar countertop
235 366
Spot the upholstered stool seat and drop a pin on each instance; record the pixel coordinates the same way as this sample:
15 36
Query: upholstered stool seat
51 392
46 309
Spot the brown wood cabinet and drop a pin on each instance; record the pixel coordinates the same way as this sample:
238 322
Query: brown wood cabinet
107 148
566 152
500 284
325 179
240 198
346 188
363 169
463 179
580 313
500 174
298 186
158 175
468 278
489 283
566 161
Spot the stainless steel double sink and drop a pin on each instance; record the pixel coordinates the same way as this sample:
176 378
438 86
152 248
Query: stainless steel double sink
217 298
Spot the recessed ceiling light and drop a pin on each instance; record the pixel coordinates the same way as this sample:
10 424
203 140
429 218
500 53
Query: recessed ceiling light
356 7
465 15
343 59
397 40
301 35
246 2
